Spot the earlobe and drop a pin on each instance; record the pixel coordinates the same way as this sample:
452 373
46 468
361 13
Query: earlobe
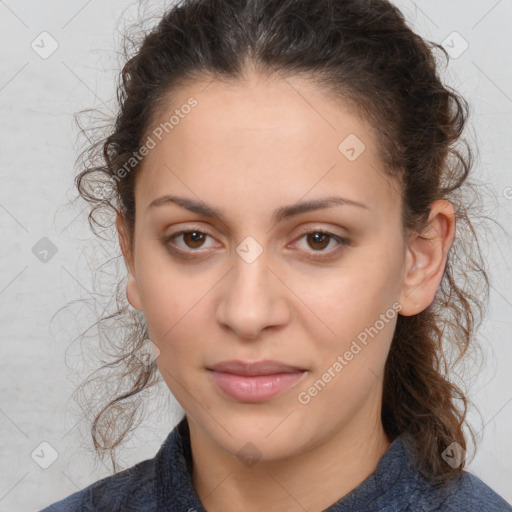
132 290
426 257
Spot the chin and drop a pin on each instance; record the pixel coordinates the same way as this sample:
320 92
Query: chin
253 434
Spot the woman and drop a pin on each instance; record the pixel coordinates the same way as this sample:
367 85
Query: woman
287 194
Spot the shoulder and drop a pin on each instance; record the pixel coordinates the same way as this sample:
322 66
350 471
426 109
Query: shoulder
134 485
166 478
410 490
470 494
466 494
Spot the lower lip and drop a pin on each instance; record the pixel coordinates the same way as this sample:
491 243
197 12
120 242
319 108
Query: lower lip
257 388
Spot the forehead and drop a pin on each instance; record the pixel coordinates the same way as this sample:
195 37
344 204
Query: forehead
264 138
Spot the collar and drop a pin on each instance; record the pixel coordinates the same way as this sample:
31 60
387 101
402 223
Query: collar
392 486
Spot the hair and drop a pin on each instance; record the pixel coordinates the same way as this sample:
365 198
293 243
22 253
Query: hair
363 53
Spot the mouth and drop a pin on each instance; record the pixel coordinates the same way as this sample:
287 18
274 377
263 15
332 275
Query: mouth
255 368
255 382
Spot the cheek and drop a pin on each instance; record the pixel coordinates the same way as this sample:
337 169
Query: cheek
355 303
177 310
161 285
163 300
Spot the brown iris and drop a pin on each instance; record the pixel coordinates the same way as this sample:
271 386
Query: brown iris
318 238
196 238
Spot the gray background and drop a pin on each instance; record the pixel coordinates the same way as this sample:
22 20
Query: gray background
41 359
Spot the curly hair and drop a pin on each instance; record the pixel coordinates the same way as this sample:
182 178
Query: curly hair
364 53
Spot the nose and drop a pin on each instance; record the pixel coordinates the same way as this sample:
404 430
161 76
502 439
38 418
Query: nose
253 298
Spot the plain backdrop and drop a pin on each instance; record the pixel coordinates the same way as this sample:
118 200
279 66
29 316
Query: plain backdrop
58 58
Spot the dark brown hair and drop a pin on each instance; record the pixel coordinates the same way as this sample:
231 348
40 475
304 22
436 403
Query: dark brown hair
365 54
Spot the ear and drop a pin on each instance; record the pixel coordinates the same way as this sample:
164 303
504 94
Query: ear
426 259
132 290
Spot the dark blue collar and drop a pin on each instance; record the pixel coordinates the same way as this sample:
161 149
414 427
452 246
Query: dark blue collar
392 485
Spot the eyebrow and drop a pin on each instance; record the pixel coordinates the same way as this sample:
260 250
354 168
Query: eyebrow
285 212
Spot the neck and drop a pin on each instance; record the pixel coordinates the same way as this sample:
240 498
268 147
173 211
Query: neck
311 480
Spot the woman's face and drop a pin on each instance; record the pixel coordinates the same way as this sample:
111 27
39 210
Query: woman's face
258 282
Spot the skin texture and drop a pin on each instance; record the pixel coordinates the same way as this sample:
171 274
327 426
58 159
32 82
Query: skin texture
248 148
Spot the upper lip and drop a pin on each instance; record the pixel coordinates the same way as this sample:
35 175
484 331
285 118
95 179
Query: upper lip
254 368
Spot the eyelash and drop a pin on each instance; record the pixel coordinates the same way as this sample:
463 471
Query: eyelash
167 241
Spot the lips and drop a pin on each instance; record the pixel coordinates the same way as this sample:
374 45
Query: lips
255 382
254 369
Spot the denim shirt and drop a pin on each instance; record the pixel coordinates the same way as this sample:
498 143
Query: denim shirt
164 484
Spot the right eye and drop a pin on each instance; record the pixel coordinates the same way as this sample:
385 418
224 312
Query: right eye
192 239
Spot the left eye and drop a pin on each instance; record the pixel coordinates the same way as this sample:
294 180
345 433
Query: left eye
320 240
